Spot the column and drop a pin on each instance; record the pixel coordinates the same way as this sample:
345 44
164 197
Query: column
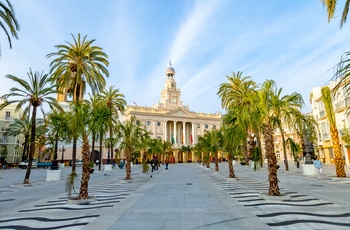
192 133
175 132
184 132
165 131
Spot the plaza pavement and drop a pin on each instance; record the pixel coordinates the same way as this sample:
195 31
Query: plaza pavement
187 196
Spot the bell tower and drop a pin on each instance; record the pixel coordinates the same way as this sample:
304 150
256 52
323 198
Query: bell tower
170 95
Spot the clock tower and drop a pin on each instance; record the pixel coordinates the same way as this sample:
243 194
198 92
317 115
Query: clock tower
170 95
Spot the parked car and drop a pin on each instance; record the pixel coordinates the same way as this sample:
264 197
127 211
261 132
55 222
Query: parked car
79 163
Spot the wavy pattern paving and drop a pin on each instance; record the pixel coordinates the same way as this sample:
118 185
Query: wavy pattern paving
57 214
300 212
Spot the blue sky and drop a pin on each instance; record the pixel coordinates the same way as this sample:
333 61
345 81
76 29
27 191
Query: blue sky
288 41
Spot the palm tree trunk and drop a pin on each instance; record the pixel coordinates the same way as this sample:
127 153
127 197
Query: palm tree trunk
92 146
25 147
216 162
144 163
32 147
338 158
246 152
128 164
230 166
74 153
285 160
100 156
271 160
84 193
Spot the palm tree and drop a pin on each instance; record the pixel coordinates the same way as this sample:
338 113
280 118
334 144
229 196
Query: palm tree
21 127
285 109
58 125
267 115
80 118
339 162
204 145
143 147
215 140
115 103
35 92
232 140
129 133
331 6
240 93
8 21
165 148
75 65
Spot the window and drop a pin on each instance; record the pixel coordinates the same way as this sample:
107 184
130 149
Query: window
198 126
173 100
7 115
214 126
148 122
206 126
138 122
325 129
158 123
4 137
159 138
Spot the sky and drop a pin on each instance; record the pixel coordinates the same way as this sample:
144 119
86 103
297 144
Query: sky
290 42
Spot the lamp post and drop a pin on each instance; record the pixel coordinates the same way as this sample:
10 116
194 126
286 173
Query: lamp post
62 150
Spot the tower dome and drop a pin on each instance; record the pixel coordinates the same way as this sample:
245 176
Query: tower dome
170 72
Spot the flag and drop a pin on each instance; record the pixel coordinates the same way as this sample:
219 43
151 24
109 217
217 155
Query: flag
172 139
191 139
182 138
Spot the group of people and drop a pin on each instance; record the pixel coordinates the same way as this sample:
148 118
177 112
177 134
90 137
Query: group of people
154 164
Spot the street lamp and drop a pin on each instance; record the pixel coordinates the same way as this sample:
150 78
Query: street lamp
62 150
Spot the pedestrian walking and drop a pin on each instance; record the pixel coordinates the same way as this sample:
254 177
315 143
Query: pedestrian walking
318 166
5 164
166 164
153 162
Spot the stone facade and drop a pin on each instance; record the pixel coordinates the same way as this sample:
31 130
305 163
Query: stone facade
172 121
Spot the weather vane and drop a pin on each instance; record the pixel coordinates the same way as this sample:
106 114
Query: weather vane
170 64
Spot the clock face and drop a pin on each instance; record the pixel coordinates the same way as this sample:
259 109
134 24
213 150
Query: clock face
173 84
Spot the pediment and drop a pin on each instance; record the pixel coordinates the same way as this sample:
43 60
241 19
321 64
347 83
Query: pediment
179 113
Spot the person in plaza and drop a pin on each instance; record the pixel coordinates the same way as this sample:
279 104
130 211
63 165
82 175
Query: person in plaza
121 164
166 164
97 162
156 162
153 164
5 164
318 166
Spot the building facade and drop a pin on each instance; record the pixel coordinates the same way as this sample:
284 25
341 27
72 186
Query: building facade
10 147
172 121
341 102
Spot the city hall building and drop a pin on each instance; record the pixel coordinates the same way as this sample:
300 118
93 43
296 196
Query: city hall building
172 121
